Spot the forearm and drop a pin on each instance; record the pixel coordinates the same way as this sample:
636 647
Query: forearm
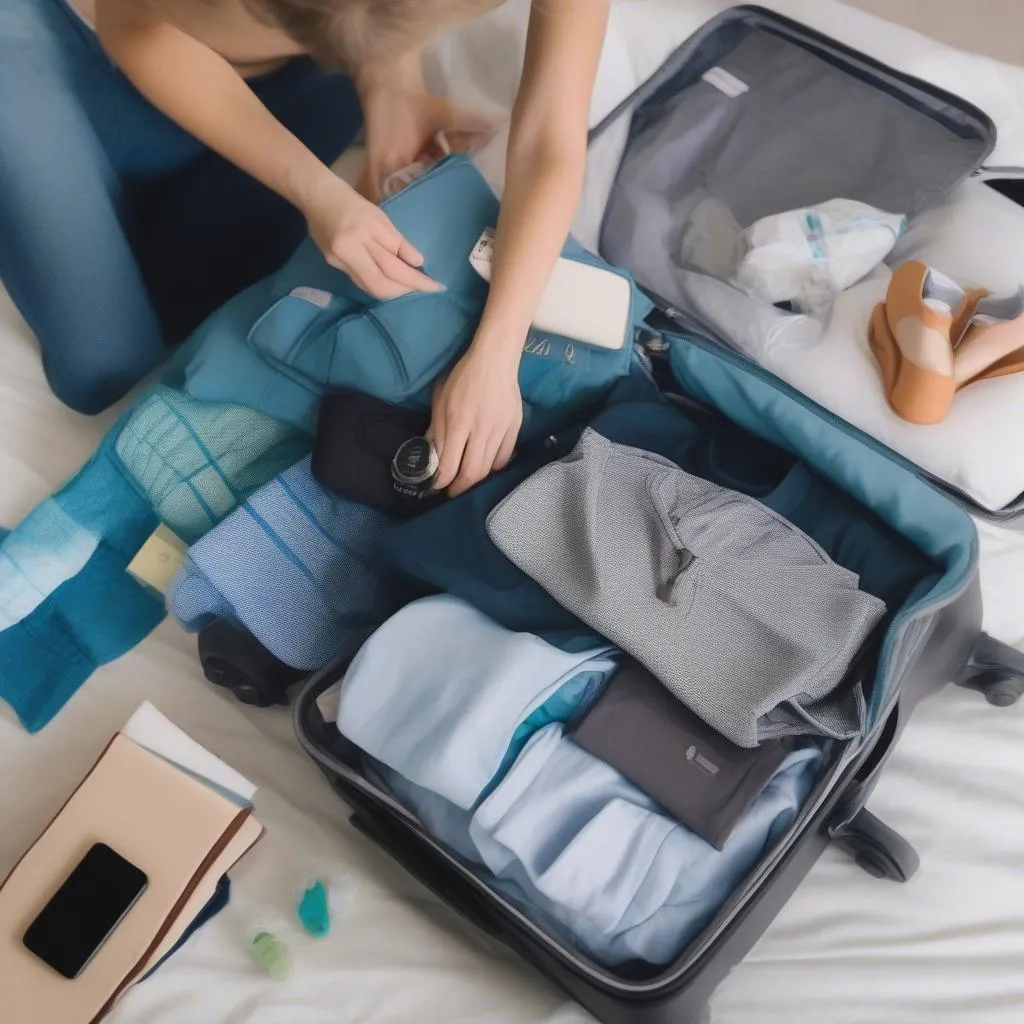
543 183
200 91
403 74
546 162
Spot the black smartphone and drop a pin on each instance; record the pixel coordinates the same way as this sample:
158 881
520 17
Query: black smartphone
84 911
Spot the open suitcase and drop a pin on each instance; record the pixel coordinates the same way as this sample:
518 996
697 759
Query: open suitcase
934 639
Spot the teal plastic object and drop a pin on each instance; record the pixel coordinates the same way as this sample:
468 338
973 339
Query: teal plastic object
314 910
272 955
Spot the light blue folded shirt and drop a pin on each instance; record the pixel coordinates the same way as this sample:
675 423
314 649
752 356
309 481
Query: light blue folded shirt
440 693
587 854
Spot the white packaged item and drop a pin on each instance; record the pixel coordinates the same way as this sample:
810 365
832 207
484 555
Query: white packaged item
806 257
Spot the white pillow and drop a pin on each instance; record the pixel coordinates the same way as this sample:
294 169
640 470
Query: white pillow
977 237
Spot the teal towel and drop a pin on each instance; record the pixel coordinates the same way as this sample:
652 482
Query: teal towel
67 603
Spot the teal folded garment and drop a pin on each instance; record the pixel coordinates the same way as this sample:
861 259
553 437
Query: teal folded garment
196 461
70 555
279 346
67 603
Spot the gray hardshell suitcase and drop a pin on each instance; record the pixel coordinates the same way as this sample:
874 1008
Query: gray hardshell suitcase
934 639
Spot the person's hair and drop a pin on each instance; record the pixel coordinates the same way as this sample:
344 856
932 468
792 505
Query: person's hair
349 34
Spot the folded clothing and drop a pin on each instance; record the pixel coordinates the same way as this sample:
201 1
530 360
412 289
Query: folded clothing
196 461
698 776
587 855
448 548
67 605
295 567
740 614
446 697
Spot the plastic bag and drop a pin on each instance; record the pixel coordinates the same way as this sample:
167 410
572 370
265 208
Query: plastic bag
769 288
807 257
445 143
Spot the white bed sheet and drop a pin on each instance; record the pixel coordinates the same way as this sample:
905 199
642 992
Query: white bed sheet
846 950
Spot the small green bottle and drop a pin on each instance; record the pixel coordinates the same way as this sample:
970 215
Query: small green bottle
272 955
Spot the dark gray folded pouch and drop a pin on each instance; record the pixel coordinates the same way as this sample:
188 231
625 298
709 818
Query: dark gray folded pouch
702 779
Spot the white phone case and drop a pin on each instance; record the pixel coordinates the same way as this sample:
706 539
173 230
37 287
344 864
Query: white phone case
582 302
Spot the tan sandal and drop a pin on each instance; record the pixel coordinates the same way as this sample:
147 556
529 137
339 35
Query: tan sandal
993 344
912 337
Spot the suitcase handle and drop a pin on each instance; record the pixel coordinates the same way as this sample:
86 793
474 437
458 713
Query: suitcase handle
426 868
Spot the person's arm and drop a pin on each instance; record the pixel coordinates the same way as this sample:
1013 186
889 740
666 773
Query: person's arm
478 410
402 120
203 93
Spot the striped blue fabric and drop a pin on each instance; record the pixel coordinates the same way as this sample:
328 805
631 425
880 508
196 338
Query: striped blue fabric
195 461
296 567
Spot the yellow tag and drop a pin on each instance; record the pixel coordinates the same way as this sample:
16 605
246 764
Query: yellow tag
159 559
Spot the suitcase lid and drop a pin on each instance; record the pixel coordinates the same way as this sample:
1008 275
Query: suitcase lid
761 115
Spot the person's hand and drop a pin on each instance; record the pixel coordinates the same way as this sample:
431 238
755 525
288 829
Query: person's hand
359 239
402 128
476 419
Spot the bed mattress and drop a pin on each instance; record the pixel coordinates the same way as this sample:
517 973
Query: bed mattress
848 949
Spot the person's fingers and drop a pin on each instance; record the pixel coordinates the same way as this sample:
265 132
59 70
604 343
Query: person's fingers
395 242
450 451
472 133
366 273
477 460
408 252
400 272
436 430
508 446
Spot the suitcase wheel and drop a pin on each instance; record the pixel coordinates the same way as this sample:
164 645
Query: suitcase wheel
877 849
995 670
235 660
1003 692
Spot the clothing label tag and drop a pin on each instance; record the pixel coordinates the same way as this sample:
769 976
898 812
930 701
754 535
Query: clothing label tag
725 81
314 295
159 559
482 255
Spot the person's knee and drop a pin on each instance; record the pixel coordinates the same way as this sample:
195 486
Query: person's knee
90 382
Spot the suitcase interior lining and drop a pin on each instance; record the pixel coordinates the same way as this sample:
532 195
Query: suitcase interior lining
811 126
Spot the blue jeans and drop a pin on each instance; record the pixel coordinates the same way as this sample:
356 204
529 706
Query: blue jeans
119 232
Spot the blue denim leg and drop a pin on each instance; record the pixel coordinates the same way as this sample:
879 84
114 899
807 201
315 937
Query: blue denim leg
118 230
64 257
